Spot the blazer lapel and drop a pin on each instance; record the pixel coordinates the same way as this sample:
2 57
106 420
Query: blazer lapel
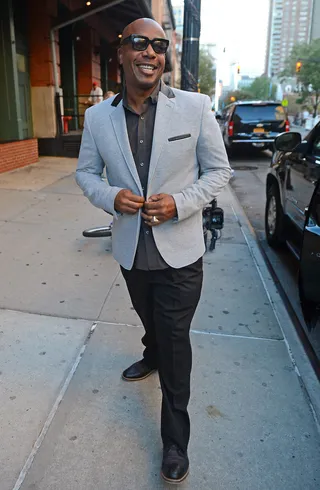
161 131
120 128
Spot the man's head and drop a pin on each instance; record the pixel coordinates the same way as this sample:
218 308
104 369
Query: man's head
142 69
108 94
94 85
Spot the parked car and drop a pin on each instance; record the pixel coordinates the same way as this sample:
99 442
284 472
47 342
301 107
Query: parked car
292 214
252 124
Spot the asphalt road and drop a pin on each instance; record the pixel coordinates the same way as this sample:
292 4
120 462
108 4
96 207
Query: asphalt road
249 186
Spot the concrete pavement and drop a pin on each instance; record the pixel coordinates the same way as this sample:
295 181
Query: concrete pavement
67 330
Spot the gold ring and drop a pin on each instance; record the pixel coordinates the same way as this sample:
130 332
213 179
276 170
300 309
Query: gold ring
154 219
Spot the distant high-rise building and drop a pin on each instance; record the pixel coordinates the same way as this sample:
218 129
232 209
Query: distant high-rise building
290 22
178 11
315 25
178 14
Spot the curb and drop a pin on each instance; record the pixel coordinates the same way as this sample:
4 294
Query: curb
302 366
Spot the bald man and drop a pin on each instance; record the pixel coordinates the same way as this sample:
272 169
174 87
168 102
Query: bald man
165 160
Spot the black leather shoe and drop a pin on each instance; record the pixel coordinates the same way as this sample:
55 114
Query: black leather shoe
175 464
138 371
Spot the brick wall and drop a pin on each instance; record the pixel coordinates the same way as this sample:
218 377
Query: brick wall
41 16
18 154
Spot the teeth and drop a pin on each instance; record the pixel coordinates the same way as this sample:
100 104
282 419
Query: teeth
147 67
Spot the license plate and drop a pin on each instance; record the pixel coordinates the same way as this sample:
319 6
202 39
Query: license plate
258 130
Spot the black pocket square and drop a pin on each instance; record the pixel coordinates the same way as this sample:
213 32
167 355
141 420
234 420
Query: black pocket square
180 137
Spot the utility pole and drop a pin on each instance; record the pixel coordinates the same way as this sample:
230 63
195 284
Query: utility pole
190 49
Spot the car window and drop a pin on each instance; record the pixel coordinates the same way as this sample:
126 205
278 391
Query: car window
246 113
316 145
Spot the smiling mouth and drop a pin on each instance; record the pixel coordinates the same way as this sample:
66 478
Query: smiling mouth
147 68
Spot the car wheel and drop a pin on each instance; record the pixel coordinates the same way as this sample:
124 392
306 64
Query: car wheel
274 226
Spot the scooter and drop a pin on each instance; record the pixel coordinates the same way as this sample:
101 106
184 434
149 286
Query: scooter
213 222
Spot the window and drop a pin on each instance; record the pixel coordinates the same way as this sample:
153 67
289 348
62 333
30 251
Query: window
316 146
259 112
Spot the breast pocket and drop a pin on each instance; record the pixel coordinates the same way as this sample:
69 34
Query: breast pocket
179 137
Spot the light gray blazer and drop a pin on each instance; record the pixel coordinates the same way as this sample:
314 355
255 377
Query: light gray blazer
193 170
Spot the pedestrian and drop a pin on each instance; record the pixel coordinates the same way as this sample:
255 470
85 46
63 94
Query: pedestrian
297 119
305 115
108 94
96 95
165 160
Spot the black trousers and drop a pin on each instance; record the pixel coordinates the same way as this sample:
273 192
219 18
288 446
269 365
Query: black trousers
166 301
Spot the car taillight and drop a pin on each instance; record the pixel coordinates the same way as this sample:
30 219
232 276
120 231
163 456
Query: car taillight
230 128
287 126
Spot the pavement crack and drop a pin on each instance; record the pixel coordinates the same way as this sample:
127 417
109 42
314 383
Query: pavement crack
108 294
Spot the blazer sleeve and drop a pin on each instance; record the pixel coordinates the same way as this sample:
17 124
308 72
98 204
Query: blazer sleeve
89 172
214 168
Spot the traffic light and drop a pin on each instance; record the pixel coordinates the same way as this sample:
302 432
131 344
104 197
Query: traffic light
238 69
232 98
298 66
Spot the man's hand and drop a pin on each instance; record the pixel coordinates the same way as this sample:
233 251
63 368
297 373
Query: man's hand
162 206
128 203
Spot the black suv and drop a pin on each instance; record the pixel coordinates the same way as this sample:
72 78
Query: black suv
252 124
293 210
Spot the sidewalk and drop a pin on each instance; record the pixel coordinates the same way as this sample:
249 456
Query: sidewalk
67 330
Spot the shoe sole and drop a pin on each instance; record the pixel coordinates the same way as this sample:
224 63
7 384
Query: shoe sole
139 379
175 482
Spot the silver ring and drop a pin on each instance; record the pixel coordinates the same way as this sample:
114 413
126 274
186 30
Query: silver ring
154 219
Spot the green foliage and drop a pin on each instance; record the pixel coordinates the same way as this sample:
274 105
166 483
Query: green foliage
207 76
238 95
258 90
309 76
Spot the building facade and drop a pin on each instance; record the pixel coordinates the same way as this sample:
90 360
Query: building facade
290 22
315 25
51 51
178 10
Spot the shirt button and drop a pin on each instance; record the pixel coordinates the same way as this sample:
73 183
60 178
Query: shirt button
142 117
141 141
147 232
141 164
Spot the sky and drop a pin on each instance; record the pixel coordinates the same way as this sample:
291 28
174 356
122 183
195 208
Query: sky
241 27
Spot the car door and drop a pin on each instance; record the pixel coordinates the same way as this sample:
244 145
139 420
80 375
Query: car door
309 273
301 175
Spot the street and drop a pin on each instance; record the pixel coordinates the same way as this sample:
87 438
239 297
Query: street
249 185
68 421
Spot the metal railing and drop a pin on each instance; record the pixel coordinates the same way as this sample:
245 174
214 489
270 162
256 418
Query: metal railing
70 111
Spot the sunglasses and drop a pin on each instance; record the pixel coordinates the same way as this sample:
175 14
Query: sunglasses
141 43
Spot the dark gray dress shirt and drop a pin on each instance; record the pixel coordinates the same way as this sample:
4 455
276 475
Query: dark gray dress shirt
140 132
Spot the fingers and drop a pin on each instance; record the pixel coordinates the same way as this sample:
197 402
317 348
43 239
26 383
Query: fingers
131 207
148 220
155 197
134 198
127 202
153 207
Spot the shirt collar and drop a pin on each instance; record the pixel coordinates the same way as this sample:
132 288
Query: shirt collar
162 87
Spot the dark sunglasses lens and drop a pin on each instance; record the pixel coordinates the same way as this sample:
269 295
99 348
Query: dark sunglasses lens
139 43
160 47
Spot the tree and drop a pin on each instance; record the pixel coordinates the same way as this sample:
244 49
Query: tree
308 76
237 95
207 76
260 88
